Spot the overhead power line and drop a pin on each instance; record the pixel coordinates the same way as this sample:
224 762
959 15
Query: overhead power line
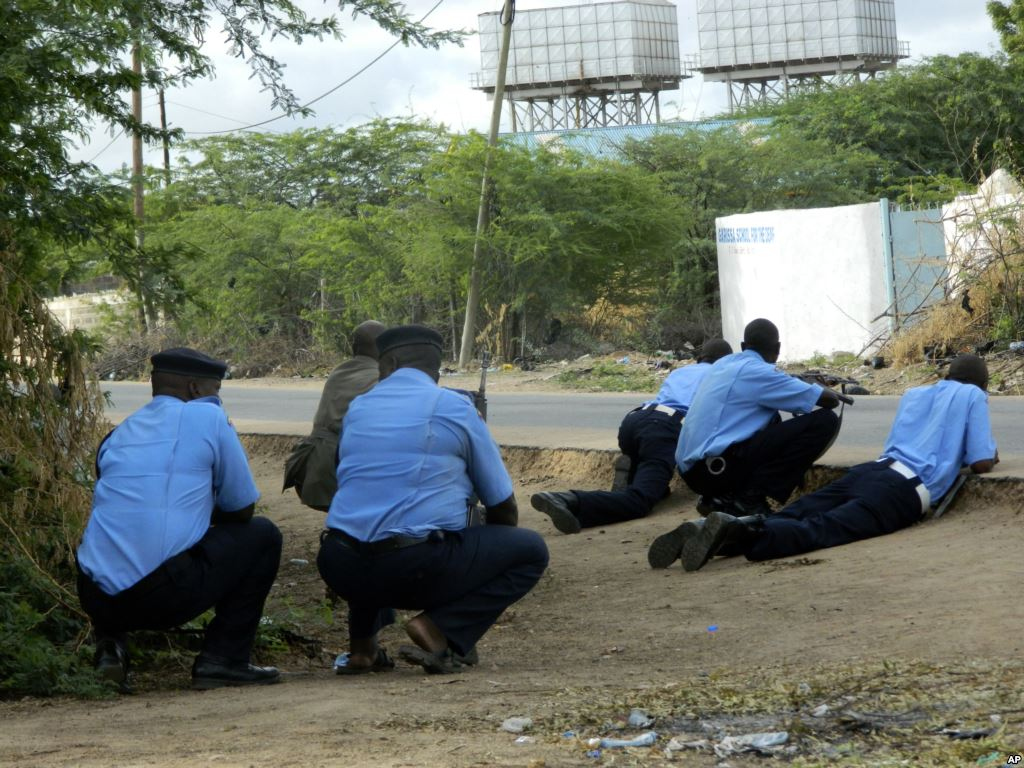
323 95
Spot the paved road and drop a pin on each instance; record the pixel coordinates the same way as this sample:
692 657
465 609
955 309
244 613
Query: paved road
556 419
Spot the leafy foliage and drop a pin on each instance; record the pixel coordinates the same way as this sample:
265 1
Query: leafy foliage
50 428
1008 21
63 69
940 126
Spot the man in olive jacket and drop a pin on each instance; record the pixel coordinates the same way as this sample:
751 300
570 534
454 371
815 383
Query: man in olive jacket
313 461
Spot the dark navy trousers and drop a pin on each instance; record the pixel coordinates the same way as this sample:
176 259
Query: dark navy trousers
462 580
772 461
649 438
231 570
869 500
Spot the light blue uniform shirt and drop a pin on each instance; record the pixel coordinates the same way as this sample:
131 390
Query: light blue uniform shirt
412 454
938 429
738 397
162 471
680 386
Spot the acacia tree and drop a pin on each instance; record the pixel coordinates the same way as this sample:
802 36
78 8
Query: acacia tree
942 126
1008 21
62 70
277 226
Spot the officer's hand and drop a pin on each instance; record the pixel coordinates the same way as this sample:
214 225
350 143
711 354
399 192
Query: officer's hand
828 399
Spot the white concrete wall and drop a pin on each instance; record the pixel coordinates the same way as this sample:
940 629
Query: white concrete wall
84 310
818 274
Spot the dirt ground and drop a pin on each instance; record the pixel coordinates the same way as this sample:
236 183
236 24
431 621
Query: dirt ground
863 654
902 650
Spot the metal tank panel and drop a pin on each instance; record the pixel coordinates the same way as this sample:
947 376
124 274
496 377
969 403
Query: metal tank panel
624 40
753 34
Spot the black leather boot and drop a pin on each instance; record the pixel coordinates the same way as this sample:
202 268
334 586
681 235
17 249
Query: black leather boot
667 548
111 661
721 530
560 507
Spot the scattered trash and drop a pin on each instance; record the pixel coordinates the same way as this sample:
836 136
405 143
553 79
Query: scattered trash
751 742
525 740
569 735
992 758
639 719
675 744
820 711
594 753
1017 347
712 628
298 561
878 362
964 734
517 724
624 360
643 740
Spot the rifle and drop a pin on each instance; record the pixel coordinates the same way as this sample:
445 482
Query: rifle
831 381
948 497
480 396
476 514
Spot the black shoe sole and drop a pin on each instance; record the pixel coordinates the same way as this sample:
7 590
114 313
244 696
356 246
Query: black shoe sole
667 548
564 520
702 547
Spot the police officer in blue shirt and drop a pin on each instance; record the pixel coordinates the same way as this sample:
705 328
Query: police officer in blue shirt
937 430
172 532
648 437
412 457
735 444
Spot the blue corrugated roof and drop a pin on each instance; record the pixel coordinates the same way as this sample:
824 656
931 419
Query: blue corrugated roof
605 142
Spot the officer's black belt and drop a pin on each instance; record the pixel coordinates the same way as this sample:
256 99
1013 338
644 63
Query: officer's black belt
676 414
381 545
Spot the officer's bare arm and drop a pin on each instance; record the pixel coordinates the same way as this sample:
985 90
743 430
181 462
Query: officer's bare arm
985 465
504 513
243 515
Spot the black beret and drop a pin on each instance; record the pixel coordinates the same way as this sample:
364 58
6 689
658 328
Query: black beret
188 362
405 335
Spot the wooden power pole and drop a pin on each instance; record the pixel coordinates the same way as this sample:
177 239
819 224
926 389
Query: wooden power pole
483 218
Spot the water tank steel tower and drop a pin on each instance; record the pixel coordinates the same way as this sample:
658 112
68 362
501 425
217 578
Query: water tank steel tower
583 66
765 48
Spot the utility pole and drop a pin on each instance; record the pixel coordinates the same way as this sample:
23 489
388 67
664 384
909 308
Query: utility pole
137 173
483 218
166 141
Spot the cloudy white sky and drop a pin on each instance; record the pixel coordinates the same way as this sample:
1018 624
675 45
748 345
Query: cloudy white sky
435 84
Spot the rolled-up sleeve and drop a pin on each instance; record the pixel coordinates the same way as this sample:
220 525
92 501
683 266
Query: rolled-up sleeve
979 444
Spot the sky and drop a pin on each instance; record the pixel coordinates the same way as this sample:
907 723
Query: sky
435 83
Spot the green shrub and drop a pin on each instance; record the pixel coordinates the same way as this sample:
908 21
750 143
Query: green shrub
611 377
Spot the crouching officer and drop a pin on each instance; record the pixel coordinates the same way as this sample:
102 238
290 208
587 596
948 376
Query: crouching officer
938 429
412 456
648 437
172 532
